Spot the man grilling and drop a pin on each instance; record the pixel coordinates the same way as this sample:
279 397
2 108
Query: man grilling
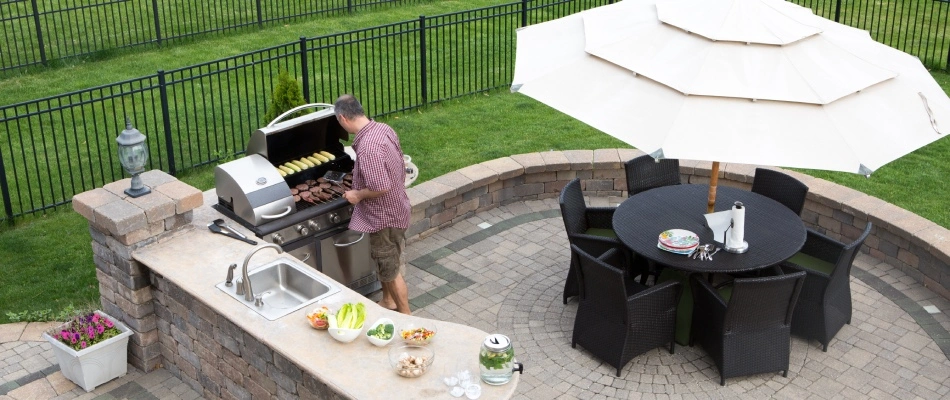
381 205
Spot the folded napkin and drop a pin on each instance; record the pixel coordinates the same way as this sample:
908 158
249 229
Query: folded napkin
718 222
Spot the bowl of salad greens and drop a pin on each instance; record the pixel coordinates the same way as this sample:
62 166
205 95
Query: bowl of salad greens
381 332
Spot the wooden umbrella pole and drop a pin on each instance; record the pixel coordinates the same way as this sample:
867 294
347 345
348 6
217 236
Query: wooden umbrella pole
713 181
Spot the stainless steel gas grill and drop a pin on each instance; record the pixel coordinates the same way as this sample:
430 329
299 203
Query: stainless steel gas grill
311 226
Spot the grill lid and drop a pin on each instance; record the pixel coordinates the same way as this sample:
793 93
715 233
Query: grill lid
298 137
252 189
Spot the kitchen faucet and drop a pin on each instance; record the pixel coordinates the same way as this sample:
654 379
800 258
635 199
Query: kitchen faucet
245 281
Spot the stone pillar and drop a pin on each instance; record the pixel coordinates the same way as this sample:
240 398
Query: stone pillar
119 225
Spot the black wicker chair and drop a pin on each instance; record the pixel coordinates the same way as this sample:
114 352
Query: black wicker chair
589 228
618 318
825 303
645 173
780 187
745 326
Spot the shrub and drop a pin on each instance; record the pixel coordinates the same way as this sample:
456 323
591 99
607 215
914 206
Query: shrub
287 95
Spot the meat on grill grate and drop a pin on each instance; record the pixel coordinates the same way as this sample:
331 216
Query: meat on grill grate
320 190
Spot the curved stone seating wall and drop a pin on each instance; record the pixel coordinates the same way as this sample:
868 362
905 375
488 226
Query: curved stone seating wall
919 247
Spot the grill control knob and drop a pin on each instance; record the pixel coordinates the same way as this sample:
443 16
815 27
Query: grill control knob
303 230
313 225
278 239
334 218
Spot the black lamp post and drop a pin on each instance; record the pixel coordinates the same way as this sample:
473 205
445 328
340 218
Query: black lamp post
133 154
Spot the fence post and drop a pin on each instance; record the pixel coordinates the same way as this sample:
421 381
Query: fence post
349 6
524 13
838 11
260 15
166 122
5 188
304 66
422 59
39 31
158 24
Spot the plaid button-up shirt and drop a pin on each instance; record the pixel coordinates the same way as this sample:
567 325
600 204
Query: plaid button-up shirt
379 166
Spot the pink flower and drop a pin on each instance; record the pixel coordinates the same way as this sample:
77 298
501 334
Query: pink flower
85 331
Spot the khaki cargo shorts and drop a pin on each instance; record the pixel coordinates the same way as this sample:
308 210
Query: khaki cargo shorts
386 248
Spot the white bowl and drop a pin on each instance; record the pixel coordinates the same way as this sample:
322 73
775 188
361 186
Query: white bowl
344 335
377 341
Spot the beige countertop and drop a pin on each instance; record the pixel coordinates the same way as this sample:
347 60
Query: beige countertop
196 260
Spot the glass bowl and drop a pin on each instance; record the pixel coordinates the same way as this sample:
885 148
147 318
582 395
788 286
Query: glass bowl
318 317
418 333
410 361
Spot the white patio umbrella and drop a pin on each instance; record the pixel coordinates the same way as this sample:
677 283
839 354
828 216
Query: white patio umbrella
743 81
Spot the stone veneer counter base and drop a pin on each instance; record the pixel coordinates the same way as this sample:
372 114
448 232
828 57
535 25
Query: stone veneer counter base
211 331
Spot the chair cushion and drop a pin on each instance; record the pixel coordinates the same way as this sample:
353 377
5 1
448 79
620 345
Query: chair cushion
684 310
726 292
604 232
812 263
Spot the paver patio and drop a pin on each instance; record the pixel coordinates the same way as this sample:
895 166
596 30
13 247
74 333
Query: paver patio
503 271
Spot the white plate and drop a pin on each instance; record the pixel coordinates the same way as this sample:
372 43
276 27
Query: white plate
678 239
676 251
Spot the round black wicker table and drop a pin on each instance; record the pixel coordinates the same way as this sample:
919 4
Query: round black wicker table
774 232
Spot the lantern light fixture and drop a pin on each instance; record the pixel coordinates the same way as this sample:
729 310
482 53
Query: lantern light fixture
133 155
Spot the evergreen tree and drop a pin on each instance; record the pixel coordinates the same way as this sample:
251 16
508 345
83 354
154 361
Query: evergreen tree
287 95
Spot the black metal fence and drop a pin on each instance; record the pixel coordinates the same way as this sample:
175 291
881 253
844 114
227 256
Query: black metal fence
918 27
55 147
39 31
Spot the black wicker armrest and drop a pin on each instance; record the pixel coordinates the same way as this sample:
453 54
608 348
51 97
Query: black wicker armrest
789 267
706 294
709 308
668 288
595 245
822 247
654 300
601 217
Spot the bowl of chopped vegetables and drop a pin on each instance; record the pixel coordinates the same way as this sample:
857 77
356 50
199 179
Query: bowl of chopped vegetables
318 317
381 332
418 334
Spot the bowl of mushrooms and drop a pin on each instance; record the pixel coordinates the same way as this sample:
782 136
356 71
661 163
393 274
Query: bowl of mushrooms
410 361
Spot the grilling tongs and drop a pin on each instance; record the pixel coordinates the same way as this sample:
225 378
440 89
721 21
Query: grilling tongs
217 229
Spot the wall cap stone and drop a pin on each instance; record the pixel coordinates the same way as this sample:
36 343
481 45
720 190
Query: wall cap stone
505 167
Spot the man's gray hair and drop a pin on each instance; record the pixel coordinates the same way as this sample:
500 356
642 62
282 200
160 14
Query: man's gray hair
348 106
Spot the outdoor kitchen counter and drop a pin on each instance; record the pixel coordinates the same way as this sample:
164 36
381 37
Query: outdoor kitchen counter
196 260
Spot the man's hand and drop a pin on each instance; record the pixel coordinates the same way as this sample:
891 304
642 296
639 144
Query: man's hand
352 196
356 196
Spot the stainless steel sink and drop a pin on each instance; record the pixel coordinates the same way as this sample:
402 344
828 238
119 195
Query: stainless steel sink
285 286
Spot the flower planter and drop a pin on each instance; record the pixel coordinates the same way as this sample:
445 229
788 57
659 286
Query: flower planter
97 364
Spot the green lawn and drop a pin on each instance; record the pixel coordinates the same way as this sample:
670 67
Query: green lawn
46 260
126 64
